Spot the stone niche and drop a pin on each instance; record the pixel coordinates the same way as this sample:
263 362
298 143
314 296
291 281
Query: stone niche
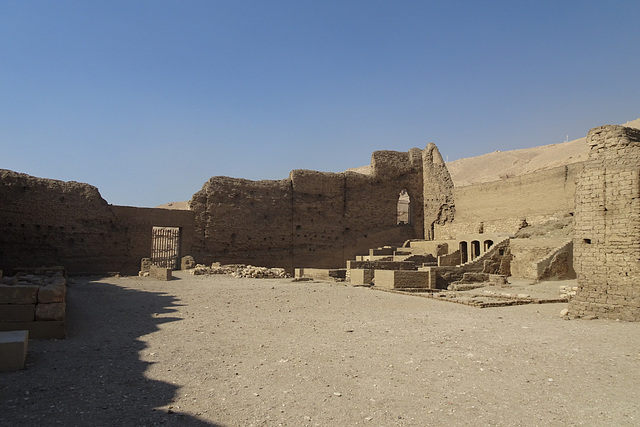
607 226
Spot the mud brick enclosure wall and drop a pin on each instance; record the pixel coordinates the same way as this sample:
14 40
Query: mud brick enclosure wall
607 226
502 205
50 222
316 219
311 219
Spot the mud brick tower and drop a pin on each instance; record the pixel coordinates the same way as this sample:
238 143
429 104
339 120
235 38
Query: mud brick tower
607 226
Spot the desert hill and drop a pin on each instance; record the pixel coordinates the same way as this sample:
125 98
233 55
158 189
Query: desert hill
499 164
504 164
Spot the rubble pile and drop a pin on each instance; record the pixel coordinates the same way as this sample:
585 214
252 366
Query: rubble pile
568 292
240 270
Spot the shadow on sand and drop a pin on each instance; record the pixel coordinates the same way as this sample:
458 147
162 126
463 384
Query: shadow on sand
95 376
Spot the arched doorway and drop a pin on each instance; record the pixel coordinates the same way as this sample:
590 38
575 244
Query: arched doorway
404 209
475 249
464 254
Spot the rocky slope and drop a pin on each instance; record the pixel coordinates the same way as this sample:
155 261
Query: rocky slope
503 164
499 164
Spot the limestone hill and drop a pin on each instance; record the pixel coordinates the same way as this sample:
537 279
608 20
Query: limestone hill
499 164
504 164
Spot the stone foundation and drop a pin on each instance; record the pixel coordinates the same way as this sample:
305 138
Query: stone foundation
361 277
399 279
34 302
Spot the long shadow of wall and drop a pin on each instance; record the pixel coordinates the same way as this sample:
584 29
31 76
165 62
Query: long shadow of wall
95 376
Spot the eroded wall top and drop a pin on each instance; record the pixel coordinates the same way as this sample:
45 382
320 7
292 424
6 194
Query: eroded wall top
320 219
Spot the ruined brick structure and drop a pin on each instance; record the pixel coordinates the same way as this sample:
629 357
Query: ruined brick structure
607 226
50 222
316 219
439 206
311 219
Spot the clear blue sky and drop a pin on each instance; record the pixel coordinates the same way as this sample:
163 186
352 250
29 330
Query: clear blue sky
148 99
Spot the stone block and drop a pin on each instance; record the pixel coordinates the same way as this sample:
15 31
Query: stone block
432 277
361 276
52 311
145 265
18 294
53 292
13 350
187 263
498 279
160 273
17 312
472 277
398 279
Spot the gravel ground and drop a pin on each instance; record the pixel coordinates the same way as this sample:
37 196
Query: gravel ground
215 350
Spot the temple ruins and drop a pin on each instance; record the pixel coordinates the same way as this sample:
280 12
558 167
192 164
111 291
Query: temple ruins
400 225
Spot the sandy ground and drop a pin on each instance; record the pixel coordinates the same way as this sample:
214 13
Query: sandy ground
215 350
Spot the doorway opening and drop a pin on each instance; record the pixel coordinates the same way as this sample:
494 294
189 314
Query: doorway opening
165 247
404 209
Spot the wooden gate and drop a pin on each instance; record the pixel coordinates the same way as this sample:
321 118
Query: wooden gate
165 247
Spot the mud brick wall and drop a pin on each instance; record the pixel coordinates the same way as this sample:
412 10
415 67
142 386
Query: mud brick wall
502 205
607 226
242 221
317 219
311 219
135 225
51 222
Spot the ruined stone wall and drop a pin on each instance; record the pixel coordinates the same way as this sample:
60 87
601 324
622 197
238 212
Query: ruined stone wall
607 226
501 206
312 219
51 222
528 252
